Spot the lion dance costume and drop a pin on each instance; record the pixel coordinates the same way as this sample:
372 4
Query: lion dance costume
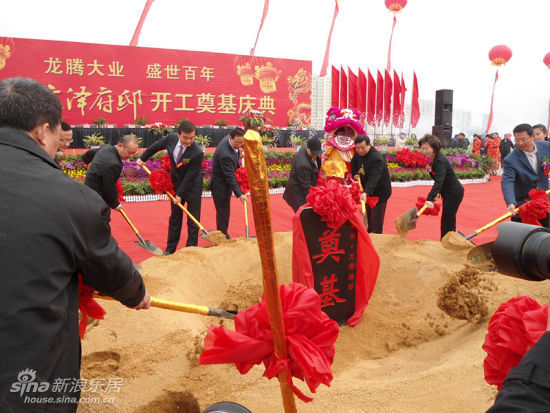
339 146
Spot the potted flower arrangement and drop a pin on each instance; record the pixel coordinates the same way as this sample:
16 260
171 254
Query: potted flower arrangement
221 123
411 143
140 120
383 142
99 122
254 119
203 141
160 129
95 140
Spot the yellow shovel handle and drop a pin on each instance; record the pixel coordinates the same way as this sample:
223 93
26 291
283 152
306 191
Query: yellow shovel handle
179 204
245 213
421 211
170 305
363 203
501 218
128 220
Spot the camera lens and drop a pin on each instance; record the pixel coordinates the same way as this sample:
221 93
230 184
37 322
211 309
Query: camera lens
522 251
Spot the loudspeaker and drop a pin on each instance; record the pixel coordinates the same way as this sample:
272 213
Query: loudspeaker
444 107
444 134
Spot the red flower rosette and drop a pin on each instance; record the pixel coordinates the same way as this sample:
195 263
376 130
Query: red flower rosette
332 202
242 179
355 191
88 306
420 201
165 163
514 328
372 201
411 159
120 190
310 337
161 182
534 209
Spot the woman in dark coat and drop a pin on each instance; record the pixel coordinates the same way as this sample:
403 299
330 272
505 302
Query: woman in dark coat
445 184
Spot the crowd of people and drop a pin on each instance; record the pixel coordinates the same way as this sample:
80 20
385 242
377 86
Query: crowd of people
66 224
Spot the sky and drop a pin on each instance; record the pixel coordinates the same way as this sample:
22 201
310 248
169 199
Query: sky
446 42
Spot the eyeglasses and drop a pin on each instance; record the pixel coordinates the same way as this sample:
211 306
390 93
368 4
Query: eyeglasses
66 141
523 139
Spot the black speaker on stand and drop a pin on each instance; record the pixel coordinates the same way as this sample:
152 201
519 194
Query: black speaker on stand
443 122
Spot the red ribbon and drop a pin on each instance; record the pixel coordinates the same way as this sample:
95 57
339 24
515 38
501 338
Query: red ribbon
161 181
266 6
534 209
429 211
88 306
490 121
310 337
120 190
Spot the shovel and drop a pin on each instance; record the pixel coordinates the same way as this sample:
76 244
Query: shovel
247 233
481 257
363 206
143 243
407 221
496 221
215 237
185 308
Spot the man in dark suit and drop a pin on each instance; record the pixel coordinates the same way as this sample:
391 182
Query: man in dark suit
370 167
224 164
303 174
186 172
106 168
51 229
523 169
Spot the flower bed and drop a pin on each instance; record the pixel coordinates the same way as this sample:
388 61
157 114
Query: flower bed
404 165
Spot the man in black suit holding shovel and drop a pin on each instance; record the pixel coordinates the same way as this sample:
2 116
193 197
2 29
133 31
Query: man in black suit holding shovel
186 172
226 161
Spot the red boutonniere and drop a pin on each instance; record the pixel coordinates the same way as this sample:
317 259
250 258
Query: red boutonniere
183 162
545 165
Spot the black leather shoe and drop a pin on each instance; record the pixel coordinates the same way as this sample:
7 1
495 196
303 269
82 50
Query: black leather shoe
167 252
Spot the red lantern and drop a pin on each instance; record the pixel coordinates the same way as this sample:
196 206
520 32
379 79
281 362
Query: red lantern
546 60
500 54
395 6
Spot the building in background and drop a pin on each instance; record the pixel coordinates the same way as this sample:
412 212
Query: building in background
321 89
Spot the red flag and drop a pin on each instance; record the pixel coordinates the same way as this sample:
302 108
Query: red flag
361 92
327 50
335 95
352 87
388 68
491 110
343 88
379 99
396 99
266 6
402 114
387 98
371 100
415 106
135 37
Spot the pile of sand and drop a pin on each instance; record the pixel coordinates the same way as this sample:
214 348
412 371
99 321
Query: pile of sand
417 348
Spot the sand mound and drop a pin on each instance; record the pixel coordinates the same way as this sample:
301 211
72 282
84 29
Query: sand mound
417 348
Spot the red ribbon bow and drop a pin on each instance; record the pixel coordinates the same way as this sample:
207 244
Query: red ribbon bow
535 209
161 181
310 337
88 306
429 211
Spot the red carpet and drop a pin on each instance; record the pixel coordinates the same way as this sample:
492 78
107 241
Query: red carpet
482 204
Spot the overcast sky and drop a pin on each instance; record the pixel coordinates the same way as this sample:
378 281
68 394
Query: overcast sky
445 41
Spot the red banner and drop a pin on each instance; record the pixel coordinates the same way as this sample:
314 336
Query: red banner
335 92
371 99
379 117
396 99
361 92
387 98
122 83
343 88
352 88
415 106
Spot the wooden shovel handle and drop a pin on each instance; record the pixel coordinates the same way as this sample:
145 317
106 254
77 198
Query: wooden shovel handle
179 204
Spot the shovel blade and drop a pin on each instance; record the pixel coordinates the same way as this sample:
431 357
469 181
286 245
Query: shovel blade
149 246
481 257
406 222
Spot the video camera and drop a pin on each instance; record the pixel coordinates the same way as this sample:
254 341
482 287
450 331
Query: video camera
522 251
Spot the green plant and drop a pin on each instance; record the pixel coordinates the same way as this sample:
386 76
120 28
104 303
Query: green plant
411 142
484 163
221 123
95 139
253 119
203 140
297 140
180 121
382 141
99 121
139 139
267 141
141 120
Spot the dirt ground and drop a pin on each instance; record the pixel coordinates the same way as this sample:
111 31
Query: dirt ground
417 348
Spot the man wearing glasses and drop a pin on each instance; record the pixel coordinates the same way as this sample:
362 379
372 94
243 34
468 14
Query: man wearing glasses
525 168
66 137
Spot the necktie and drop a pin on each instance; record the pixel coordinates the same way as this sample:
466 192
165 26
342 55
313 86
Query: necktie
180 152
